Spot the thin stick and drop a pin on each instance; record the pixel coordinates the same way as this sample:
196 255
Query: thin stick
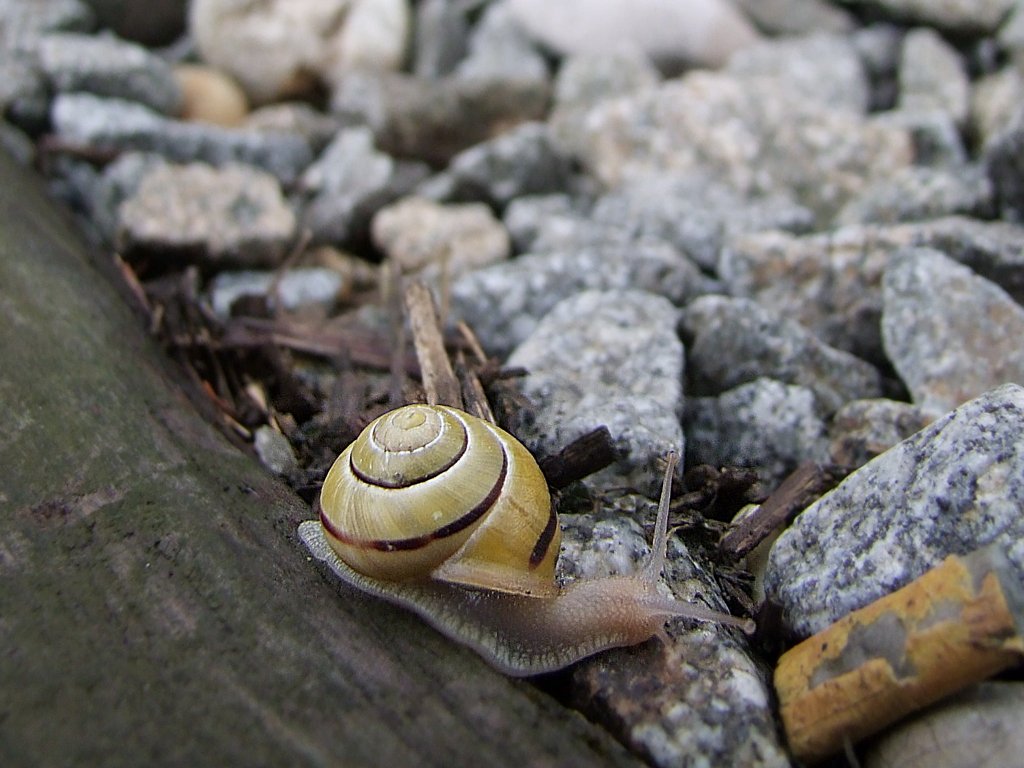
439 381
803 485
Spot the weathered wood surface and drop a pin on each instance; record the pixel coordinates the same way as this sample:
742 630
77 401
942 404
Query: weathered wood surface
155 605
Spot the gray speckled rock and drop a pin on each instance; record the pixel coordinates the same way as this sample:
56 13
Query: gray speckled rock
879 47
234 214
696 214
119 181
504 303
766 425
278 50
995 101
921 193
734 341
296 288
966 17
24 93
525 217
586 79
950 334
521 161
105 66
20 20
499 48
831 282
863 429
705 700
822 68
296 118
419 235
698 32
936 139
115 124
440 30
349 181
953 487
978 727
932 76
611 358
796 17
1004 159
433 120
721 126
611 542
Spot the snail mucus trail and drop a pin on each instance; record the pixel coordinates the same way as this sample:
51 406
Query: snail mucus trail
449 516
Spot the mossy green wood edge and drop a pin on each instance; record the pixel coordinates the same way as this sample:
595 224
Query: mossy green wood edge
155 606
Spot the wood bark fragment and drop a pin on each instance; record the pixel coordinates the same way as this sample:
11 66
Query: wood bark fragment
802 486
959 623
585 455
363 347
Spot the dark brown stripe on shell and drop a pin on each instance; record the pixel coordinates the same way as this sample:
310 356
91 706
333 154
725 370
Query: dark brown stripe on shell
402 482
417 542
540 549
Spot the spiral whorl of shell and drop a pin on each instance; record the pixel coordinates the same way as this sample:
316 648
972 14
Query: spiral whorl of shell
432 492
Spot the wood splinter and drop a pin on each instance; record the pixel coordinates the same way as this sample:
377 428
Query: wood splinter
959 623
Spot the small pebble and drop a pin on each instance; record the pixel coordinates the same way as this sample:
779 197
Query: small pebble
950 334
117 125
294 289
231 215
210 96
1004 160
995 101
440 29
282 48
521 161
349 182
434 120
500 49
422 236
275 452
106 66
933 77
695 33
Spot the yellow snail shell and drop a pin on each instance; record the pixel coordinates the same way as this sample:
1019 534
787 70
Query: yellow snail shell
430 490
449 516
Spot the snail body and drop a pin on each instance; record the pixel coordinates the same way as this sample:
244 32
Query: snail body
450 517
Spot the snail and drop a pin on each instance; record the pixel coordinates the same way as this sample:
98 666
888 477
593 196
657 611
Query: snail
449 516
